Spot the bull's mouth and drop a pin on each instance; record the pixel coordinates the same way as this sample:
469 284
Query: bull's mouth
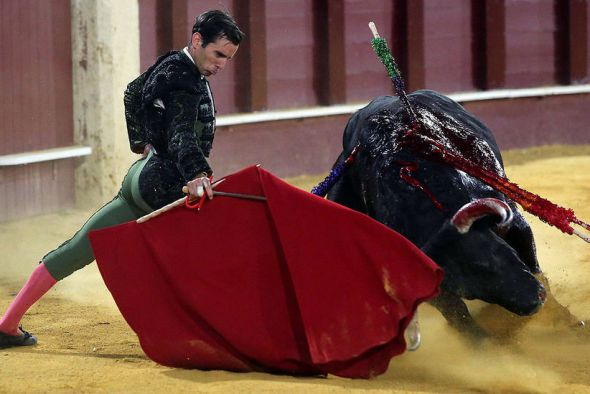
532 310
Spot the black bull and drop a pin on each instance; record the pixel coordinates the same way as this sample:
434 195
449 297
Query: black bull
400 185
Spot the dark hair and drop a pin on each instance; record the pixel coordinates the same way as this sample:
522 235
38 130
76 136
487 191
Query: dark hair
216 24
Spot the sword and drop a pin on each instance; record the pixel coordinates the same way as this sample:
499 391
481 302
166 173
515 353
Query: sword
182 200
234 195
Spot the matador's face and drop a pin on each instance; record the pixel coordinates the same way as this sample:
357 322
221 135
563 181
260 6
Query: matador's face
212 58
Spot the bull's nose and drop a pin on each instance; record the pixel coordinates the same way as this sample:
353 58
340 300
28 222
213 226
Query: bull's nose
542 294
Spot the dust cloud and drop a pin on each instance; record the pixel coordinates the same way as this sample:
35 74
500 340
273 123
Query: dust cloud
81 331
24 242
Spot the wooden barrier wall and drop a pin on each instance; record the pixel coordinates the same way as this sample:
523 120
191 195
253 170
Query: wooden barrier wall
304 53
36 104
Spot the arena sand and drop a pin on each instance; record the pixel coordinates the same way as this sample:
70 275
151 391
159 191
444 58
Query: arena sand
85 345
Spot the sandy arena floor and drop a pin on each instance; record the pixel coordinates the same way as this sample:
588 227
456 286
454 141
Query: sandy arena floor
85 345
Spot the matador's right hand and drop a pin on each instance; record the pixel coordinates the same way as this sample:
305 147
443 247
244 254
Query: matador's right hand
199 186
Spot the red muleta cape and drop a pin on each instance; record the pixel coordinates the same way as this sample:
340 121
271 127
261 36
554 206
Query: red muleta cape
295 284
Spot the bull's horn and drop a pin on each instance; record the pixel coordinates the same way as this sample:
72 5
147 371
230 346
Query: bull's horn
477 209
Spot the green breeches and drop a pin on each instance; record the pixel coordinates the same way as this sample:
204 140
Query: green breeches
128 205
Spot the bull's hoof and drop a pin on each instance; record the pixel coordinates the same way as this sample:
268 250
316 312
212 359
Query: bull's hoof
475 334
413 340
412 335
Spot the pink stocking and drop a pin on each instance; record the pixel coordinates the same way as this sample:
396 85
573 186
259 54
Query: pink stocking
38 284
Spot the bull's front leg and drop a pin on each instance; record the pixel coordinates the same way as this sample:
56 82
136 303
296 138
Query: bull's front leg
457 314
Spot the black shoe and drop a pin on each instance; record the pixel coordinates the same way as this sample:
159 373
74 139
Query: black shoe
25 339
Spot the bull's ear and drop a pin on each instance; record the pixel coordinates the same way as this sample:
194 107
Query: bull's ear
343 193
520 238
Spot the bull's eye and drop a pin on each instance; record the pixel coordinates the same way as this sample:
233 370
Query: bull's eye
501 231
483 265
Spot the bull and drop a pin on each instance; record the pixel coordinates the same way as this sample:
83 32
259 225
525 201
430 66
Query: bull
472 231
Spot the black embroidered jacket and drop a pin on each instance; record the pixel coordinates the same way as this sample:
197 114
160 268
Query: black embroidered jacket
169 107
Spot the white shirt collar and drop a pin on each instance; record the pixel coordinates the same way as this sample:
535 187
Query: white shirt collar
187 53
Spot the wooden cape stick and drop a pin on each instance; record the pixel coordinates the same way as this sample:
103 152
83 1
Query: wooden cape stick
160 211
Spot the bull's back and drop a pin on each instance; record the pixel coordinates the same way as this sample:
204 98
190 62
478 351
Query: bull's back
431 190
450 120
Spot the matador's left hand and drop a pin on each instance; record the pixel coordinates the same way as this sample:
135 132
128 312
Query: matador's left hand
146 150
